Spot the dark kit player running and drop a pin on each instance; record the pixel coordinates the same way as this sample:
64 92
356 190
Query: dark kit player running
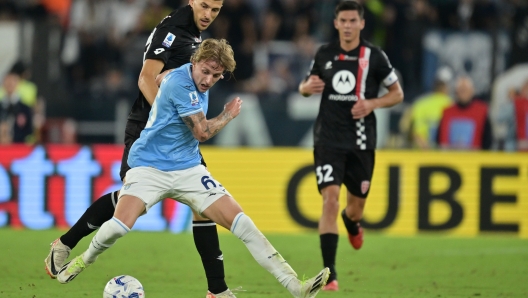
348 73
169 46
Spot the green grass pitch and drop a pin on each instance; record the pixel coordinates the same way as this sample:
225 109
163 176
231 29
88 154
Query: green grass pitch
387 266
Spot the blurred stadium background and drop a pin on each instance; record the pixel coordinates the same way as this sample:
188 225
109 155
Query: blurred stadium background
75 64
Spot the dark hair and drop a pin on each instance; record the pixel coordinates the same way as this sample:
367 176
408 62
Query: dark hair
18 68
349 5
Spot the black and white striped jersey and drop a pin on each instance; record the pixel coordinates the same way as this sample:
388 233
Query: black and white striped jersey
173 41
349 76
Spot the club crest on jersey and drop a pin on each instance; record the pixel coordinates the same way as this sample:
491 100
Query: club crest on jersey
365 184
169 39
363 63
194 98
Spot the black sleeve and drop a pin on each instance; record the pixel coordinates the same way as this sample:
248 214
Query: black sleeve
487 137
315 69
383 72
159 44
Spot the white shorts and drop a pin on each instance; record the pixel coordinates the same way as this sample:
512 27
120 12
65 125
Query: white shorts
194 187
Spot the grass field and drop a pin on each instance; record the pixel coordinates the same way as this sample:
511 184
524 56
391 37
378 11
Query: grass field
169 266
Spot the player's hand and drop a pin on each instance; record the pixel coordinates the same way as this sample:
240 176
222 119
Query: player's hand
314 85
362 108
161 76
232 108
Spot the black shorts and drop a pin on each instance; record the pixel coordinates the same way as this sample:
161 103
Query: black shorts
132 132
353 168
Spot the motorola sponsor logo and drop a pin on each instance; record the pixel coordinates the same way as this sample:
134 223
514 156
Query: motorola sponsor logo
343 83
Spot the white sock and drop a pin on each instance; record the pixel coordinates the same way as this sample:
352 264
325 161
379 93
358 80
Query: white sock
263 252
105 237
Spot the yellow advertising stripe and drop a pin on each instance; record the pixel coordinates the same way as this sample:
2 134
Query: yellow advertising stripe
457 193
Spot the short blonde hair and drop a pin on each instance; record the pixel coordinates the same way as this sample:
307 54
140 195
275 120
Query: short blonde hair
217 50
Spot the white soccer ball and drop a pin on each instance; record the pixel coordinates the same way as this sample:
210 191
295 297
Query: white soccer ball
123 286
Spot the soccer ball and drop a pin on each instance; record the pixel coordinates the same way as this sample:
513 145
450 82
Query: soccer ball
123 286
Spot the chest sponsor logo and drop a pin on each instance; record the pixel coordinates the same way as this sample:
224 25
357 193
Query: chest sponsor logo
343 57
344 82
194 98
363 63
169 39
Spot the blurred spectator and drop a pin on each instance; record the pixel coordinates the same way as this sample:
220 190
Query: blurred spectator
465 125
419 18
305 49
104 93
91 21
58 8
15 116
519 33
469 14
265 84
26 89
60 131
8 10
125 18
288 20
520 101
237 24
427 111
155 11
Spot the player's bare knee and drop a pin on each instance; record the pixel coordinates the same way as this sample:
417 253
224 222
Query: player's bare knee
128 209
331 205
355 213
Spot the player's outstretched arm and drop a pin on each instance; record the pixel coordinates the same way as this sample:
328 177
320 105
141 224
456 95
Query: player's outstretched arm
204 129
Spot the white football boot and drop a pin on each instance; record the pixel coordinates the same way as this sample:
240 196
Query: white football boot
55 259
225 294
309 288
71 269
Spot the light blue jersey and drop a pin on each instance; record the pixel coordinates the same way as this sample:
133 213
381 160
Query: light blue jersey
166 143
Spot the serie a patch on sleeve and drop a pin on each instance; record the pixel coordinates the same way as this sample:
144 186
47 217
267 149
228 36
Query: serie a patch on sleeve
169 39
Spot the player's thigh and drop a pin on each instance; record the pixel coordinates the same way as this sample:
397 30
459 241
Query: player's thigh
197 188
329 166
358 173
198 217
132 132
148 184
223 211
128 209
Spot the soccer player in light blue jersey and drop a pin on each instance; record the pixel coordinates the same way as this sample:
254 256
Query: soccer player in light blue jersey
165 163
